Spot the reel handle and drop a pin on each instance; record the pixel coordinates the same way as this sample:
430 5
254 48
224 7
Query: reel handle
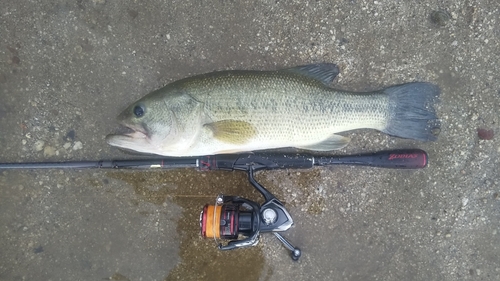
295 252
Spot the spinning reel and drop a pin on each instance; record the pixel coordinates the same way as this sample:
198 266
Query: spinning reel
241 221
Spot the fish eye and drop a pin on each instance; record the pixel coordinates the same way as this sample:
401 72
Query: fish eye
138 110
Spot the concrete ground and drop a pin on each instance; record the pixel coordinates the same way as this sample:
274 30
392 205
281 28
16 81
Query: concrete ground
67 68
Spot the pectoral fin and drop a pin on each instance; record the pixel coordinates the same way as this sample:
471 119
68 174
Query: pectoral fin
232 131
334 142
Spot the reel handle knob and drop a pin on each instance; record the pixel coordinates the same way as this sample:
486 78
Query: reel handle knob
296 252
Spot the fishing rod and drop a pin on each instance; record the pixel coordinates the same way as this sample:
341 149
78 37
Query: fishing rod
396 159
236 220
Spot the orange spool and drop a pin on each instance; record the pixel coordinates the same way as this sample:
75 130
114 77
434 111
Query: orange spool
211 221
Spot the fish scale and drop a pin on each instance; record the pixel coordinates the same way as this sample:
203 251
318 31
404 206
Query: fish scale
233 111
286 102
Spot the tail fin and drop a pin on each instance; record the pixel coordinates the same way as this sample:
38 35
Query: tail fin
412 111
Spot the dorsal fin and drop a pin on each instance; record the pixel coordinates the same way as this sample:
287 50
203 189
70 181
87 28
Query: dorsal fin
324 72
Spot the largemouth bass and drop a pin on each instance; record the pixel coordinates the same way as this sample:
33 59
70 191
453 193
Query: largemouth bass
235 111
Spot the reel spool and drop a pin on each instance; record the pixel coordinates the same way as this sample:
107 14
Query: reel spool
231 217
225 221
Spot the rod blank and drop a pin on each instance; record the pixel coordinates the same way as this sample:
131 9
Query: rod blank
396 159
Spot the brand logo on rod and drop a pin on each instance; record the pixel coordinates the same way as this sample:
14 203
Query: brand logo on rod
393 156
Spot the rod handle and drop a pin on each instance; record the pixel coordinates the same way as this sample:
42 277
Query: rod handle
395 159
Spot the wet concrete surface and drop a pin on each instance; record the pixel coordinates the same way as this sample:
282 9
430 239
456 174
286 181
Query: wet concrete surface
67 68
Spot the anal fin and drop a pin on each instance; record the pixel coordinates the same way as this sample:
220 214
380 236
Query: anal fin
333 142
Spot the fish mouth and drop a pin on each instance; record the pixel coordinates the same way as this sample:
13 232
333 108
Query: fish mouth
130 138
131 131
135 133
